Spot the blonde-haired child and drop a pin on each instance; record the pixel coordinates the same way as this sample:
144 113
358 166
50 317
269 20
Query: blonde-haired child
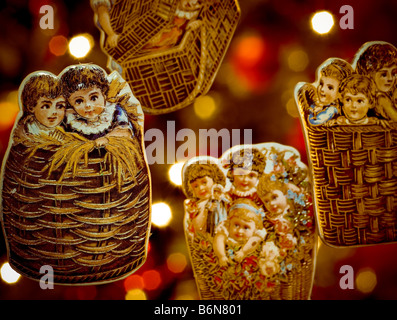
203 183
331 75
241 234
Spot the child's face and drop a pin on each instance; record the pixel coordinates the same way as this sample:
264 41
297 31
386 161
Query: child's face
241 230
89 103
50 112
356 106
327 89
385 78
244 180
275 202
202 187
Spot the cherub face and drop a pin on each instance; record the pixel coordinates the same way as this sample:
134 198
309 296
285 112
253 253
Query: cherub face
50 112
385 78
275 202
241 230
327 89
244 180
202 187
89 103
356 106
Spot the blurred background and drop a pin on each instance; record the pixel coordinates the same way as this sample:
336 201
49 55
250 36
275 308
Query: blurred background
275 47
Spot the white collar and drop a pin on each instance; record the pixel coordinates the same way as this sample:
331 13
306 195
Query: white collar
87 127
35 127
247 193
186 14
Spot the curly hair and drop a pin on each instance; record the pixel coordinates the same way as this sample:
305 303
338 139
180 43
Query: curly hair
199 170
83 76
247 158
357 83
372 58
267 185
336 68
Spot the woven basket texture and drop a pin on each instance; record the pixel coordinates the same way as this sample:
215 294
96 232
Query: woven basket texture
355 183
170 79
211 283
137 22
87 227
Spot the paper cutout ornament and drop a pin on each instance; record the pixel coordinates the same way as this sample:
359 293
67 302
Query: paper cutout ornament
169 51
249 225
76 190
348 117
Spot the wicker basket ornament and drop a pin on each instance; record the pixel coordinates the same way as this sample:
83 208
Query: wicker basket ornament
351 140
248 224
169 51
76 190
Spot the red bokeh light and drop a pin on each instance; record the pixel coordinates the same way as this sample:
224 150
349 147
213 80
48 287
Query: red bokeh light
151 279
133 282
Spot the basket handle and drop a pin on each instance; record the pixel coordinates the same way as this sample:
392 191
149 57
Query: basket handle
203 59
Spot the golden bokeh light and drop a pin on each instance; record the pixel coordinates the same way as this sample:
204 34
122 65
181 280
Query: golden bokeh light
136 294
80 46
175 173
161 214
292 108
8 111
322 22
204 107
8 274
298 60
366 280
176 262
